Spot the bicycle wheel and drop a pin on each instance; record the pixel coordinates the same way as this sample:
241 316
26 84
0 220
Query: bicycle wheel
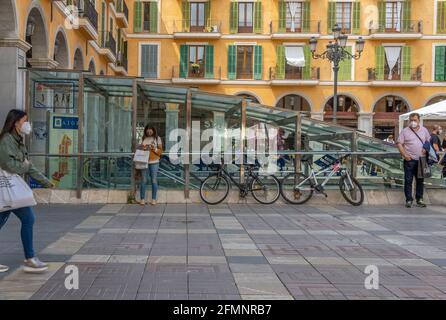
214 189
351 191
296 188
265 189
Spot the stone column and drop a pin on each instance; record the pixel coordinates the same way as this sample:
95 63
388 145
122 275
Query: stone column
365 122
172 110
12 80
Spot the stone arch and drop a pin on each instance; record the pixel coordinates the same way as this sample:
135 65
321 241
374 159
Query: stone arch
435 98
294 101
78 60
386 111
61 52
92 66
295 93
409 106
347 112
249 93
36 32
102 72
355 99
8 20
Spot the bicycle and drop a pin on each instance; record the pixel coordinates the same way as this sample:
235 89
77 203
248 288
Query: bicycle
264 188
297 188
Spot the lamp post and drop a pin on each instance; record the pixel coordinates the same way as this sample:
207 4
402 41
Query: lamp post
335 53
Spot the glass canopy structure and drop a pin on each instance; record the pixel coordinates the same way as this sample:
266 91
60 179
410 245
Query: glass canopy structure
86 128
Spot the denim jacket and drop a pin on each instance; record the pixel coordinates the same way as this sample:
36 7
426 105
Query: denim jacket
13 154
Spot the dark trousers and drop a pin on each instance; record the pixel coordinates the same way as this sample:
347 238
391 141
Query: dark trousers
410 172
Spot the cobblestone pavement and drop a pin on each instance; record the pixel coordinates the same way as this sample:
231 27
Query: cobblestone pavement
193 251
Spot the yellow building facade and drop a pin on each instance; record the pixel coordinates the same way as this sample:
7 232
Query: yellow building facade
251 42
70 34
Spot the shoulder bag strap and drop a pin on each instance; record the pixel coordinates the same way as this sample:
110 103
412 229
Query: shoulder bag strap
417 135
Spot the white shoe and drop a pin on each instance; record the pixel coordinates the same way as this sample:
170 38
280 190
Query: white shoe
3 268
142 202
34 265
153 202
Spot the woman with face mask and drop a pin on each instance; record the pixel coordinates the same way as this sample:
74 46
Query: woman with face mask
14 160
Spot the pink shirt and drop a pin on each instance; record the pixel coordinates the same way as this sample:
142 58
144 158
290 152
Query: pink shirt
411 143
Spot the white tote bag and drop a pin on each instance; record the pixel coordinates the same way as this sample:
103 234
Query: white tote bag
141 156
14 192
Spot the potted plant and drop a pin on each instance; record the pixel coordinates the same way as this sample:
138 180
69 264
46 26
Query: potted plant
195 68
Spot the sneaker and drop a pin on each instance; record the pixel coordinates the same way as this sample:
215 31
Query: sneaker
142 202
34 265
3 268
153 203
421 204
409 204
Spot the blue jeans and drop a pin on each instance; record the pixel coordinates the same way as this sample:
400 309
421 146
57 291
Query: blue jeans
27 218
153 172
410 172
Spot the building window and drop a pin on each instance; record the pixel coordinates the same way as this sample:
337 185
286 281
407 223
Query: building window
245 17
440 63
294 16
244 62
343 16
393 16
197 16
196 61
392 67
146 16
149 60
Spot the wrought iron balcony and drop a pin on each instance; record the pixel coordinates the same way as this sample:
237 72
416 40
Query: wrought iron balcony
299 27
196 73
294 74
397 27
402 74
185 28
86 10
107 41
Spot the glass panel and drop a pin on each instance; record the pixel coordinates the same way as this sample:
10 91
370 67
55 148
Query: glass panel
193 14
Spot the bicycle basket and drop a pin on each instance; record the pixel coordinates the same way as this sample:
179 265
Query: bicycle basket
326 161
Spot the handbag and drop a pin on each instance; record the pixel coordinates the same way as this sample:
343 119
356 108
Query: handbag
424 170
14 192
141 156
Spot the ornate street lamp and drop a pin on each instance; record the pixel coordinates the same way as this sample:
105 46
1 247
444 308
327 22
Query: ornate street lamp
335 53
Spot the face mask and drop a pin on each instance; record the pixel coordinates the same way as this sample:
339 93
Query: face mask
26 128
413 124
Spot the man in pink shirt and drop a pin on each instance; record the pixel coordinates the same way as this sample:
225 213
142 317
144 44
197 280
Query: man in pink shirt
410 144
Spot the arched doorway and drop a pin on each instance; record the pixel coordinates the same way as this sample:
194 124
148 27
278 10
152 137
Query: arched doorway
92 67
346 113
61 51
386 114
436 99
102 72
35 35
294 102
8 22
78 62
249 97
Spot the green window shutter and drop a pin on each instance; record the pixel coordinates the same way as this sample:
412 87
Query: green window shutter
440 63
356 25
184 59
209 63
149 61
406 59
307 68
233 17
441 16
379 63
207 10
258 17
232 65
345 67
103 13
186 15
331 16
406 15
258 62
137 17
280 65
381 16
282 16
153 17
306 17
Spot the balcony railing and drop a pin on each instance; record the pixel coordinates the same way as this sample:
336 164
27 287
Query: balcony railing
285 26
86 10
197 72
121 7
295 74
411 74
107 41
122 61
404 26
210 26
